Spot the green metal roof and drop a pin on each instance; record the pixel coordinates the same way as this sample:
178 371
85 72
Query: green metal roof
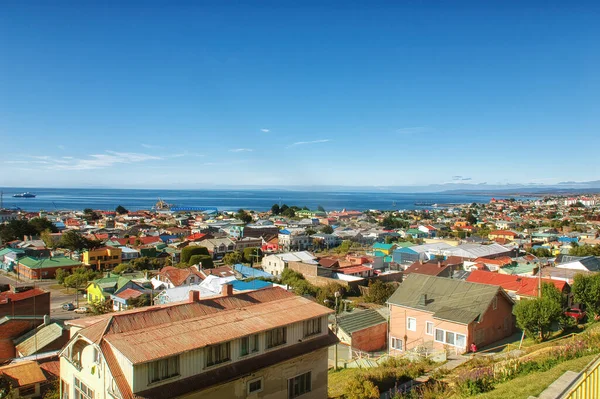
9 250
46 263
448 299
357 321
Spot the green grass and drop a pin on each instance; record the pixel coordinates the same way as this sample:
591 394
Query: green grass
338 380
533 384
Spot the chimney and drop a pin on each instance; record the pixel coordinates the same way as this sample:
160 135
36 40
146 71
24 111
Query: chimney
421 261
194 296
423 300
46 320
439 264
227 290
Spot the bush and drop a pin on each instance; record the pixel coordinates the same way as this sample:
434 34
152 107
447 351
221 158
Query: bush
361 388
191 250
204 260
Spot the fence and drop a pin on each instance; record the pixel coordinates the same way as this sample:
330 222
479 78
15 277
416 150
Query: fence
588 384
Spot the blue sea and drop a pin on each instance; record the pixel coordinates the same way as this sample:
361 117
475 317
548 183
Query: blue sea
50 199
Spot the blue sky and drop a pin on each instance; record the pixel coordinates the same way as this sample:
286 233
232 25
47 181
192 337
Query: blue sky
191 94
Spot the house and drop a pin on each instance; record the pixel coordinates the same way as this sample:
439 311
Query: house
326 240
409 255
517 287
24 301
128 254
387 249
436 267
44 268
583 263
104 258
441 313
235 345
170 276
122 299
275 264
9 257
503 235
248 242
363 330
473 251
100 290
11 328
25 378
294 239
45 338
218 247
250 272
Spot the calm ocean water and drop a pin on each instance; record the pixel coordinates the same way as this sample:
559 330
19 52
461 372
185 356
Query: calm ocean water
50 199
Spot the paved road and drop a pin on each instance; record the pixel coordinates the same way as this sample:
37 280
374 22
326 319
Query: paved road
57 297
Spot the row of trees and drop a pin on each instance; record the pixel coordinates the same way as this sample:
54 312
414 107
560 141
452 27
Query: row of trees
70 240
17 229
248 255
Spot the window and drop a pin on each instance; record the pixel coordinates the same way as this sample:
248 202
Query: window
439 335
461 341
276 337
217 354
312 327
495 303
163 369
249 344
411 324
428 328
26 391
82 391
396 344
255 385
449 338
92 258
299 385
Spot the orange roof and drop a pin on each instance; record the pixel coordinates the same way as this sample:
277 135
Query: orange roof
500 261
503 233
178 276
23 373
129 293
154 332
18 296
524 286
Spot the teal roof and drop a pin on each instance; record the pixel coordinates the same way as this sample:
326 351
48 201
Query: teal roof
379 254
519 268
9 250
381 245
46 263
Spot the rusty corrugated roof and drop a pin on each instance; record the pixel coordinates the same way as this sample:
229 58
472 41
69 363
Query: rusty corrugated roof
23 373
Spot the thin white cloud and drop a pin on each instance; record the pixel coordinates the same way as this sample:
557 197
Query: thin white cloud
241 150
309 142
15 162
94 161
265 130
61 147
150 146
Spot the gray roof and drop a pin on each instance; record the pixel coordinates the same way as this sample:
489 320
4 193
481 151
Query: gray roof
360 320
591 263
448 299
38 339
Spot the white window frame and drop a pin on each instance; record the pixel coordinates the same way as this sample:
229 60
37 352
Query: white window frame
408 320
445 332
394 340
427 325
262 385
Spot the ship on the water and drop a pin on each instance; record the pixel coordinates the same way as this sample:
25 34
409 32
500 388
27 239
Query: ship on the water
24 195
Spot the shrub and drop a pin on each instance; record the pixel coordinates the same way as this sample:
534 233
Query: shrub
191 250
361 388
204 260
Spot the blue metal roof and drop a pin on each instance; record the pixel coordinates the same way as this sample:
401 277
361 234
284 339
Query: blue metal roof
248 272
193 208
250 285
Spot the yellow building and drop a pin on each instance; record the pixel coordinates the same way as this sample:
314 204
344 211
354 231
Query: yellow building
102 258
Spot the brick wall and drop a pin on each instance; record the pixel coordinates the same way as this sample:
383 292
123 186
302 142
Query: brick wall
370 339
25 307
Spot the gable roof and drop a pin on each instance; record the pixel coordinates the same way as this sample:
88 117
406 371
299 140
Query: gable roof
40 338
448 299
360 320
23 373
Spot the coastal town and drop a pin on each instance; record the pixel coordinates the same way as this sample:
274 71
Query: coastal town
297 302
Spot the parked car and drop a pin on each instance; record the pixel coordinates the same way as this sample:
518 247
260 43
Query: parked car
575 313
82 309
68 306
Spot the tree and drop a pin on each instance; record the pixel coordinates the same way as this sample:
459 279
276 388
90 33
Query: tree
76 280
120 210
327 292
586 290
16 230
275 209
536 316
585 250
471 219
327 229
6 389
41 224
74 241
100 307
361 388
289 212
379 292
541 252
140 301
61 275
53 392
310 231
283 208
190 250
321 209
46 236
232 258
243 216
205 260
252 255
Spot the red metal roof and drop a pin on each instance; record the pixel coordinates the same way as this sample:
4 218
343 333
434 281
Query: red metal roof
524 286
23 373
129 293
18 296
354 269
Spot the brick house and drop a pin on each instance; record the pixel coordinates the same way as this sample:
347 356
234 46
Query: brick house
441 313
363 330
28 302
44 268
